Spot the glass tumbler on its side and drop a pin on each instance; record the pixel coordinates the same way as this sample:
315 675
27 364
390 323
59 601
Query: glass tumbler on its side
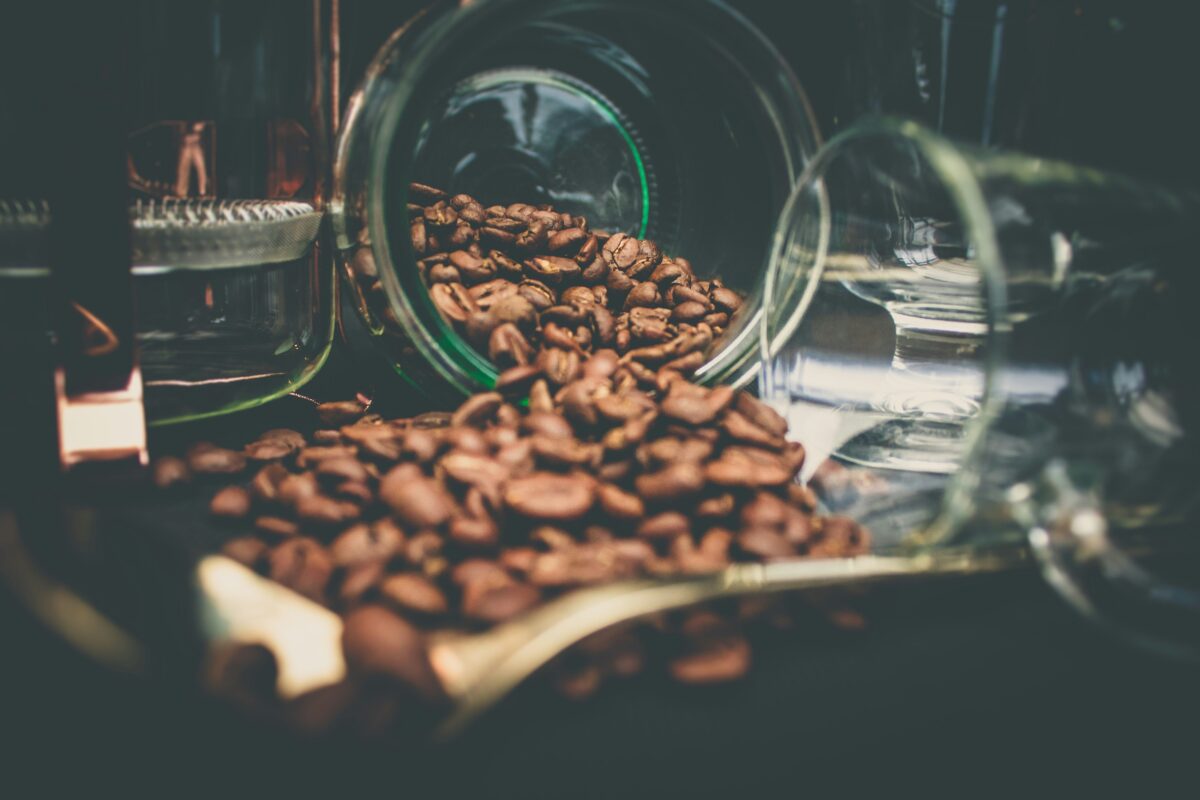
674 121
989 346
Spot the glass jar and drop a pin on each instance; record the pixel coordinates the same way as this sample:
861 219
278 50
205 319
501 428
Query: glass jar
222 110
673 121
980 348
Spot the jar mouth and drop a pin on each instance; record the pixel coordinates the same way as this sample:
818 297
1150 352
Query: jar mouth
686 128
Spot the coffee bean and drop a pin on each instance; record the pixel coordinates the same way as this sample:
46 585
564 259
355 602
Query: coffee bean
618 503
212 460
507 346
477 410
340 413
715 653
760 414
548 496
414 593
245 550
666 525
270 449
765 544
318 509
276 527
340 469
377 641
232 501
301 564
365 544
500 603
672 483
169 472
417 501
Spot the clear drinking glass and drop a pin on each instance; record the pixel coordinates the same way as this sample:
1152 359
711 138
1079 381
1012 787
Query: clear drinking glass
675 121
989 345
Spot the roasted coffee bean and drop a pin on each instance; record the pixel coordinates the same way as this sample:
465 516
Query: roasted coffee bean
759 413
301 564
414 594
232 501
319 509
478 410
618 503
748 467
567 239
416 500
666 525
310 457
515 381
424 193
515 309
507 346
499 603
549 496
451 301
474 531
715 653
362 544
644 294
276 527
377 641
212 460
270 449
672 483
340 413
472 268
246 550
338 470
764 544
559 366
695 405
620 251
294 488
688 312
440 216
169 472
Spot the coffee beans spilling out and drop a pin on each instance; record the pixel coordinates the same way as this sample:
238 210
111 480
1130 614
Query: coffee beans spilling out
594 459
530 286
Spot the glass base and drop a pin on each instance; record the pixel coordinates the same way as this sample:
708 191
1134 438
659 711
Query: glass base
915 445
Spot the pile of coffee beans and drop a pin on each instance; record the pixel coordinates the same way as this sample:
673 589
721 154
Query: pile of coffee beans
594 459
519 282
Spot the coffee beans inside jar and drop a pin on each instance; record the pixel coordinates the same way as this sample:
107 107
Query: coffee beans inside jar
594 459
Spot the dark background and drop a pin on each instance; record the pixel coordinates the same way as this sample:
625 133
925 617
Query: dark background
977 688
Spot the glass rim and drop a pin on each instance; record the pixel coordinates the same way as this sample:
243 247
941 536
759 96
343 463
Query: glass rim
415 45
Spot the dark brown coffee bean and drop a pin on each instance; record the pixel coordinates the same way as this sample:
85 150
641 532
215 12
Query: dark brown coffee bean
537 293
517 310
169 472
326 436
321 510
418 235
302 565
726 299
559 366
565 453
414 593
294 488
212 460
419 445
310 457
688 312
507 346
231 502
547 496
578 399
340 412
666 525
666 273
716 653
245 550
494 234
422 547
276 527
363 544
622 407
620 251
485 296
547 424
479 571
587 253
463 236
748 467
474 531
764 544
716 507
451 301
534 237
644 294
416 500
674 482
618 503
424 193
566 240
500 603
618 282
540 398
269 449
440 216
338 470
603 325
377 641
472 268
760 414
358 580
515 381
695 405
478 410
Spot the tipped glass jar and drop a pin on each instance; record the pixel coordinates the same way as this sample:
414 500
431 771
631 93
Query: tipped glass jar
676 122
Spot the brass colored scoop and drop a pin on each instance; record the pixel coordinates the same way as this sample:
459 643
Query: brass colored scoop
478 670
